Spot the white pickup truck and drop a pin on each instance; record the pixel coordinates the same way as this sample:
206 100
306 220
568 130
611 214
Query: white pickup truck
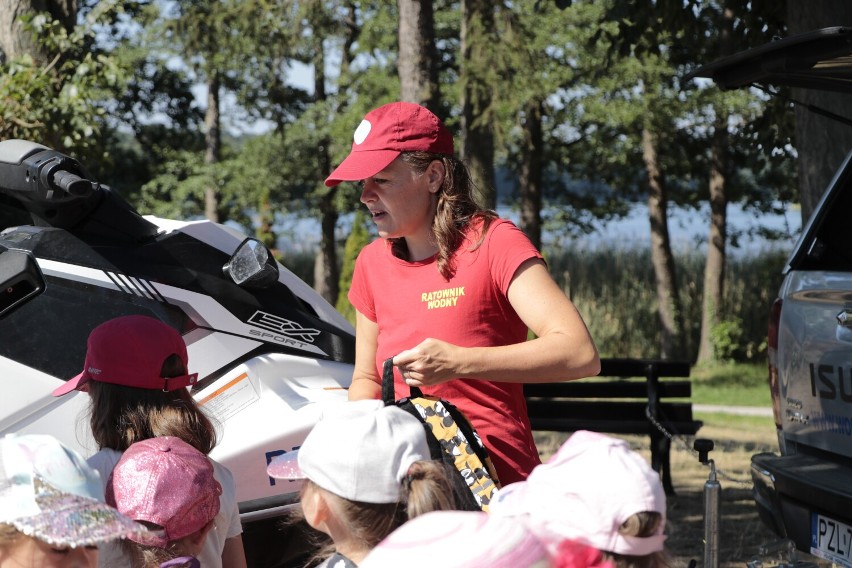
269 352
804 493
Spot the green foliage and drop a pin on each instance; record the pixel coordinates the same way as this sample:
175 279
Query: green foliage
61 102
615 292
357 239
727 340
177 188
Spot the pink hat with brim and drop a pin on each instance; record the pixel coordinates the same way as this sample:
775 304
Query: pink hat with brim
587 489
476 539
385 133
130 351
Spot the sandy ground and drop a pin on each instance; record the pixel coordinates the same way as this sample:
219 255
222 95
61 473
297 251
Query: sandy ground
741 532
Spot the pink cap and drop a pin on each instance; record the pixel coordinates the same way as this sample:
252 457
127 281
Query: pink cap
130 351
476 539
585 492
167 482
385 133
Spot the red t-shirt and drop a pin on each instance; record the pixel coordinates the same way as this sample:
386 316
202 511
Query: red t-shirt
411 301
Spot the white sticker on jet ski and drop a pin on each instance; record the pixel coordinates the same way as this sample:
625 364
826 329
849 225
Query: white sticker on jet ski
225 398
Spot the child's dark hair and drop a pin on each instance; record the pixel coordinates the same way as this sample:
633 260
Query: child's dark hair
120 415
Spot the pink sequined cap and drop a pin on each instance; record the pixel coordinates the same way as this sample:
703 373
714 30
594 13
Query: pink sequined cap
167 482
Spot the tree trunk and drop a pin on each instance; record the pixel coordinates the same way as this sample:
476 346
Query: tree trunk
265 231
714 267
822 143
213 145
661 252
477 148
530 180
15 41
326 269
418 75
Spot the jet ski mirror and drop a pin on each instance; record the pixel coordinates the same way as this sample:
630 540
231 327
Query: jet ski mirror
20 279
251 265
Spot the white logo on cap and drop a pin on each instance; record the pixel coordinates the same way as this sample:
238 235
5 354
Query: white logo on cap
362 131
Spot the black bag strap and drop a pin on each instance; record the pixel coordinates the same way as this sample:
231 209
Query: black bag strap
388 395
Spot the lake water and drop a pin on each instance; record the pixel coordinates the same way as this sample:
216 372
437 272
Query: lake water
688 229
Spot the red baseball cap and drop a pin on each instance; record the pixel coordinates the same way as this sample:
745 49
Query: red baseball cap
130 351
385 133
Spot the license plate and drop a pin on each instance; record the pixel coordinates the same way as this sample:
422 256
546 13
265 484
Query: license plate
831 540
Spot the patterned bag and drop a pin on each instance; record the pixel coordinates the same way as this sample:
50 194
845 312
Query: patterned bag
452 440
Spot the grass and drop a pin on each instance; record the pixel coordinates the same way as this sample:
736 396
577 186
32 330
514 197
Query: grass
736 422
731 384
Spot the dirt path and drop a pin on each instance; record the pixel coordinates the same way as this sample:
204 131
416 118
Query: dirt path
741 531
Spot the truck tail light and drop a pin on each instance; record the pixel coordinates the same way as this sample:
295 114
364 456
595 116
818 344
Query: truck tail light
772 359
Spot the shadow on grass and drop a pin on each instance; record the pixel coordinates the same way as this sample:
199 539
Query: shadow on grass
741 532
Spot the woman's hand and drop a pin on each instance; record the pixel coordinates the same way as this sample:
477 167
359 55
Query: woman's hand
432 362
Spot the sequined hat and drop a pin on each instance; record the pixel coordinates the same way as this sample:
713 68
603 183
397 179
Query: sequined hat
385 133
47 491
130 351
166 482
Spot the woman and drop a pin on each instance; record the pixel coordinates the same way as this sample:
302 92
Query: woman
450 291
136 374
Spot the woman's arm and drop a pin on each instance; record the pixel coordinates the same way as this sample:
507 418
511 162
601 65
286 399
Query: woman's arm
365 383
562 349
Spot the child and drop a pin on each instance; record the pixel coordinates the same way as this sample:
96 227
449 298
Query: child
595 490
168 486
472 539
136 374
52 510
367 471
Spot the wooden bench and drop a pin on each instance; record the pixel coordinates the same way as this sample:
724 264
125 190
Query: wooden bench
618 405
